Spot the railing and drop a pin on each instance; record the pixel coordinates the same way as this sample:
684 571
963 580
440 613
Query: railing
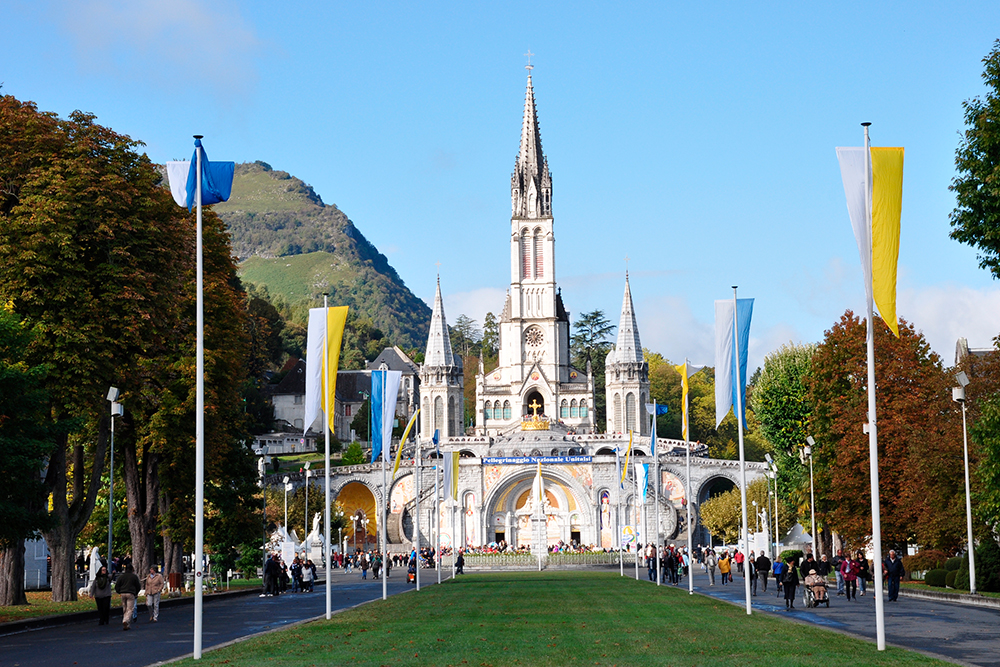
524 559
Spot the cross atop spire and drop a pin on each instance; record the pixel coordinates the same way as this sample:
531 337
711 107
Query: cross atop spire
529 66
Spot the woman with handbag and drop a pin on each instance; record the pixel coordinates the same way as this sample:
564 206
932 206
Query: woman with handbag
864 570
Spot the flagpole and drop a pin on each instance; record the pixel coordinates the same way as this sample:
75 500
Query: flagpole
618 512
872 422
739 423
687 491
326 474
199 419
416 514
385 490
656 499
635 505
437 520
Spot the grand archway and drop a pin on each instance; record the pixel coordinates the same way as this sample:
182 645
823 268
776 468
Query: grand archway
360 513
533 401
511 510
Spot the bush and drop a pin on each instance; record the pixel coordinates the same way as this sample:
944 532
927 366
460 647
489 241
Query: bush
988 566
962 578
936 577
928 559
792 553
953 564
949 579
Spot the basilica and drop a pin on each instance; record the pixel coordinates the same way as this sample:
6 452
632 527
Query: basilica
535 418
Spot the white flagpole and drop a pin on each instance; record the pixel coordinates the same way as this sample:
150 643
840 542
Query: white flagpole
656 499
416 514
618 512
385 490
687 491
199 421
326 474
635 507
437 518
872 422
739 423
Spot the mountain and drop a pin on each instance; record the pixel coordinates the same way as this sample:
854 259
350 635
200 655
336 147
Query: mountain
298 247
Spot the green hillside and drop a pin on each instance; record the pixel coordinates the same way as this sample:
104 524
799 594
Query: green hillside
298 247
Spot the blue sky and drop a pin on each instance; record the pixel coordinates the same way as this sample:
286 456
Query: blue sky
695 138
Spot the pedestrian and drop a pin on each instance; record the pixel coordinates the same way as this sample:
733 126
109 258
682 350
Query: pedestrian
651 562
779 571
308 571
100 590
154 588
864 570
710 564
835 563
849 569
892 568
789 581
364 566
738 557
763 566
726 567
296 571
752 572
460 563
127 586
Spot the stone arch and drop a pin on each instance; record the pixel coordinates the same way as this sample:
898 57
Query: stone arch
630 413
514 484
712 483
617 413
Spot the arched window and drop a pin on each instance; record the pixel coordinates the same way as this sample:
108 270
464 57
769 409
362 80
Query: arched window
427 418
539 264
618 414
454 423
488 410
525 254
563 409
583 408
439 415
630 412
574 411
506 409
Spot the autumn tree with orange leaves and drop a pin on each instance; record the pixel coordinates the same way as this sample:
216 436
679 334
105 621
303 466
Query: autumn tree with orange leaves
919 438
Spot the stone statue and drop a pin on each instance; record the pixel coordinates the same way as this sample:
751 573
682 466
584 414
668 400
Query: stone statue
95 564
315 537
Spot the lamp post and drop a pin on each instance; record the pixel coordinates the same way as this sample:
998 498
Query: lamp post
364 531
305 522
807 452
958 395
354 528
285 481
116 411
772 472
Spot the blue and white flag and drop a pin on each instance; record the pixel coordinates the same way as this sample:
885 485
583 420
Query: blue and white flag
727 379
642 474
659 409
216 179
385 390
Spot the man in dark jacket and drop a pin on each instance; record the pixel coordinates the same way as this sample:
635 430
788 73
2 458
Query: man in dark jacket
763 567
128 587
892 568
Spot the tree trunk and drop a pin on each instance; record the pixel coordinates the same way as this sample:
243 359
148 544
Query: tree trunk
173 552
142 489
12 576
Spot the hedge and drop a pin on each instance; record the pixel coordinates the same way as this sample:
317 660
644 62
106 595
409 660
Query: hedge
936 577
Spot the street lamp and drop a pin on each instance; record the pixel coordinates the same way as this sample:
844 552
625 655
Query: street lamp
807 452
287 485
772 472
116 411
958 395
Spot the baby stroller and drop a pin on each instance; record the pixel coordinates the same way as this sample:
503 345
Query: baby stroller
814 591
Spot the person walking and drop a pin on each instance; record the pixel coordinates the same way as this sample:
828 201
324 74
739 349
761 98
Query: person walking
864 570
460 563
892 568
789 582
738 557
154 588
307 576
763 566
752 572
779 571
364 566
725 567
849 571
127 586
710 564
835 563
100 590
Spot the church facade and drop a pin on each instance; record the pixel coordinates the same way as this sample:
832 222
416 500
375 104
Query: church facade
535 412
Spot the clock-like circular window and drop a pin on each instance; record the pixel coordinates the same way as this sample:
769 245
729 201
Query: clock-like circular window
534 337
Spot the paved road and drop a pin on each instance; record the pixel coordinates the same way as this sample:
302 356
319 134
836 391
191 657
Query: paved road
948 630
86 644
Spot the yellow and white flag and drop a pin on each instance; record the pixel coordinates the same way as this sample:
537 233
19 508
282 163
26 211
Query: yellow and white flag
686 370
402 441
875 206
451 475
319 364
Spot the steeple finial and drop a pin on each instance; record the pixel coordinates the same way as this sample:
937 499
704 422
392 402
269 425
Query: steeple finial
529 66
530 184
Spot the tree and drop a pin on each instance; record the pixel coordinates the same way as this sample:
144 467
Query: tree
976 218
25 442
589 345
353 456
919 438
723 514
465 335
491 339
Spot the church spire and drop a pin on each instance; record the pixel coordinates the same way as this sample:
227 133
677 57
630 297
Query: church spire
438 341
628 348
530 184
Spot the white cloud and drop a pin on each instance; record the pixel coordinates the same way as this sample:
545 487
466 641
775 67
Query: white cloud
945 313
185 46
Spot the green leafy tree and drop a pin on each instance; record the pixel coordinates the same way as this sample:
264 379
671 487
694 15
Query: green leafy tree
465 335
976 218
25 442
723 514
491 340
589 344
353 455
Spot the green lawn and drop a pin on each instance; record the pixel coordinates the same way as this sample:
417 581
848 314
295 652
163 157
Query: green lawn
555 618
